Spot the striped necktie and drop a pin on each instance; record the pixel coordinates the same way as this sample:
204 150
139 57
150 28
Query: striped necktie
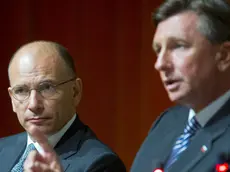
183 141
19 166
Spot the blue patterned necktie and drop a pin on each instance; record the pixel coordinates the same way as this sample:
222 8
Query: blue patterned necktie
19 166
183 141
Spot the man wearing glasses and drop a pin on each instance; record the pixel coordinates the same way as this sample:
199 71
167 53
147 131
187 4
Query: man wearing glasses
45 91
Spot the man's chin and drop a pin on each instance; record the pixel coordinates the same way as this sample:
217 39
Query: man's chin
46 130
176 97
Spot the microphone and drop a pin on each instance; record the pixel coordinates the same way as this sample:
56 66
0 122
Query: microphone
157 166
158 170
223 163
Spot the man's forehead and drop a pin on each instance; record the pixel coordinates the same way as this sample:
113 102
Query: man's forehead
26 71
29 60
182 24
35 51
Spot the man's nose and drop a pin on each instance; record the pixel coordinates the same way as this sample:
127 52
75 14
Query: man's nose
35 103
163 61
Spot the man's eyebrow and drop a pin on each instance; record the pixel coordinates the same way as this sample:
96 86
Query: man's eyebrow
51 81
47 80
178 39
19 85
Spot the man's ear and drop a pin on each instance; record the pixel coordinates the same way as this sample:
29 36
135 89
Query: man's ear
77 89
11 97
223 57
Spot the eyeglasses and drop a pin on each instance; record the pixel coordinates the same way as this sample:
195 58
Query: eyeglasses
46 89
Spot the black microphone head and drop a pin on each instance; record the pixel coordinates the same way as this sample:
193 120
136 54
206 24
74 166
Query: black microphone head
222 162
224 157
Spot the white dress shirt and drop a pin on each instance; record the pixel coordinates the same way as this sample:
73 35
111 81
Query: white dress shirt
53 139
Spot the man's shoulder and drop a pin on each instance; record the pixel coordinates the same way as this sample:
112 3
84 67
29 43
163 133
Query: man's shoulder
92 144
11 139
172 113
100 156
81 137
91 153
176 108
94 150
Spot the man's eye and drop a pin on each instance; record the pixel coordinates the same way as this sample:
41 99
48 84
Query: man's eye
20 90
46 87
157 50
180 45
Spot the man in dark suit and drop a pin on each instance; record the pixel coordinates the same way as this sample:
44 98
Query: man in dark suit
192 44
45 91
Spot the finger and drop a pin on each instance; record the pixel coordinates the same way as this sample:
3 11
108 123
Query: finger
39 137
36 157
56 165
36 163
31 159
39 167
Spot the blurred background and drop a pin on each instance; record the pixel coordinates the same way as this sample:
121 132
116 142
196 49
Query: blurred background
110 41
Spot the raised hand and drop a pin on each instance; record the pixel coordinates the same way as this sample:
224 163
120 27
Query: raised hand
47 161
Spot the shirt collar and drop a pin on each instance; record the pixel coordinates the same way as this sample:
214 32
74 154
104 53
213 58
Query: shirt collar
53 139
208 112
192 113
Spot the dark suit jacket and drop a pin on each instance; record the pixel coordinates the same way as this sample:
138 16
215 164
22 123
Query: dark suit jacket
79 151
215 136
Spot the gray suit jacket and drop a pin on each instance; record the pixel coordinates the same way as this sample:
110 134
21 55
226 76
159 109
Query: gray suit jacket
79 151
156 148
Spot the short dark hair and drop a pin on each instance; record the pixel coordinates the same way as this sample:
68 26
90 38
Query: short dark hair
65 55
214 16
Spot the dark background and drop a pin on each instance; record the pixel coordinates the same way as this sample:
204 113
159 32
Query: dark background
110 41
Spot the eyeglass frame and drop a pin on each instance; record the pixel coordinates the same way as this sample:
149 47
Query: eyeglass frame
39 91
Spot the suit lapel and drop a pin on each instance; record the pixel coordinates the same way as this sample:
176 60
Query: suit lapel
66 147
178 120
201 144
165 149
70 142
11 153
193 153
